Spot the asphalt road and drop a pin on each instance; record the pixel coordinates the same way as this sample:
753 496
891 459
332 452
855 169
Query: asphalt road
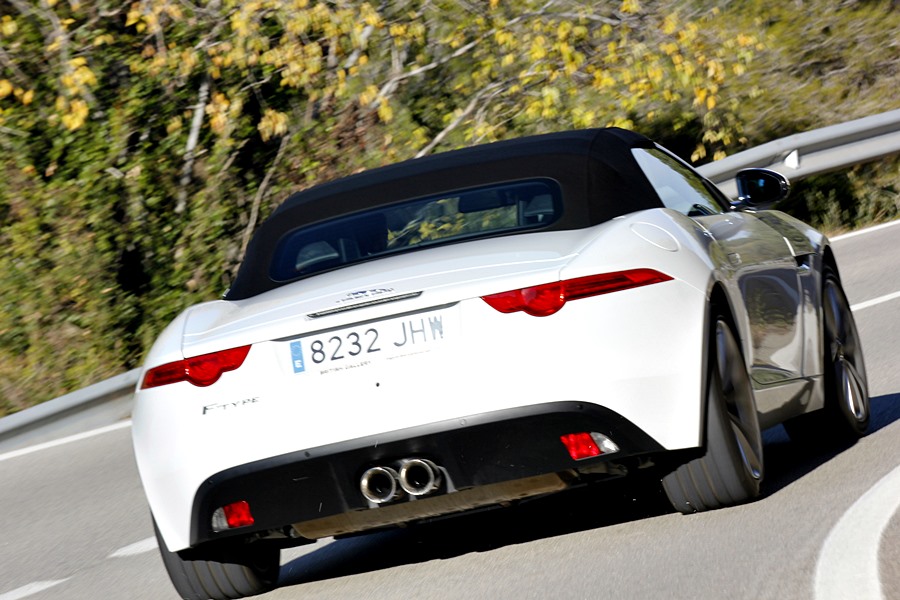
74 524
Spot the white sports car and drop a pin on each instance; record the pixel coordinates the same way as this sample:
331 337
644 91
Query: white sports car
486 325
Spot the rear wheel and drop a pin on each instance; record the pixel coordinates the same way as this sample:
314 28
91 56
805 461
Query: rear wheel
237 573
731 469
845 416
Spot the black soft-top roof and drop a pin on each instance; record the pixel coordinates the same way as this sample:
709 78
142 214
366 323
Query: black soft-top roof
595 169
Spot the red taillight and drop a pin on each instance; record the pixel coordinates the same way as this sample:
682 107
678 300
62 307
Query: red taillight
231 516
538 301
237 514
200 370
586 445
544 300
580 445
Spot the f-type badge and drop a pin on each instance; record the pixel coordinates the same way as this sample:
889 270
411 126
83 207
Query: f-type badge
229 405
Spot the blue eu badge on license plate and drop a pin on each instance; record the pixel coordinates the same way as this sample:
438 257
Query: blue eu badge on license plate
297 357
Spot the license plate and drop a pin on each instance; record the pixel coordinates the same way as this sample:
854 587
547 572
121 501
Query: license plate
360 346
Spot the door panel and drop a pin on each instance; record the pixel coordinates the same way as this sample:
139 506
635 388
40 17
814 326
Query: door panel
765 275
757 259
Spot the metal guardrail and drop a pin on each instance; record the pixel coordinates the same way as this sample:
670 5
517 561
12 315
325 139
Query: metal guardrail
795 156
97 405
813 152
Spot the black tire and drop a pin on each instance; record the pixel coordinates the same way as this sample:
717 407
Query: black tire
239 572
731 469
845 416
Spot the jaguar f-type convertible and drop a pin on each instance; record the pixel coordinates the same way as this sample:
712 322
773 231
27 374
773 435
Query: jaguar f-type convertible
484 326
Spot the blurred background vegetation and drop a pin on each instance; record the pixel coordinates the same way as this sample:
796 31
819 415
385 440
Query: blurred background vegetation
142 142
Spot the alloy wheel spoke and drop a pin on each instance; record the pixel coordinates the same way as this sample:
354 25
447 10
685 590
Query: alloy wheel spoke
722 358
854 391
850 344
728 389
738 405
729 372
835 319
750 452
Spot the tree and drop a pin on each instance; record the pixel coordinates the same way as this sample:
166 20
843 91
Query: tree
143 142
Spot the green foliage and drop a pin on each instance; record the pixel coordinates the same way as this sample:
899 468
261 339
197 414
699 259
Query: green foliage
836 202
142 142
824 63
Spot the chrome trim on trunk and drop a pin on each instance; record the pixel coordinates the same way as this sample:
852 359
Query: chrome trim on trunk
340 309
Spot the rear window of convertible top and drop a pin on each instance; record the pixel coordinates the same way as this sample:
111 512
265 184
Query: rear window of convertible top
465 214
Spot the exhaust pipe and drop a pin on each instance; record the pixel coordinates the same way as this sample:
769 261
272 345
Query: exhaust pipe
419 476
379 485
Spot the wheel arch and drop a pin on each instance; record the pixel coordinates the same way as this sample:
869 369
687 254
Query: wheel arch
719 302
732 306
816 371
721 475
829 259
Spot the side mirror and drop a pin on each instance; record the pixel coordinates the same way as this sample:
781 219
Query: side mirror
759 189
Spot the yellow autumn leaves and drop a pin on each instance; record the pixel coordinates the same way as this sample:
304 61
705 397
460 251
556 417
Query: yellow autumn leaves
72 113
272 123
149 15
8 28
563 63
7 89
74 82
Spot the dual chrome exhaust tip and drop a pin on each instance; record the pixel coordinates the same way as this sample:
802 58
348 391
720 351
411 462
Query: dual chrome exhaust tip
415 477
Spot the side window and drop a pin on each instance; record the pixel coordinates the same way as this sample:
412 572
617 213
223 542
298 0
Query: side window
677 185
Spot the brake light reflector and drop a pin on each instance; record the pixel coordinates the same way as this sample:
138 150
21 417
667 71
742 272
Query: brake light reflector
544 300
580 445
537 301
232 516
202 371
586 445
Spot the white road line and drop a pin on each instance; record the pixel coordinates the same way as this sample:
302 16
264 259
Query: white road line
66 440
872 229
874 301
848 562
145 545
30 589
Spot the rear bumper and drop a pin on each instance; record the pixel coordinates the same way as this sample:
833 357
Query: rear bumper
475 452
